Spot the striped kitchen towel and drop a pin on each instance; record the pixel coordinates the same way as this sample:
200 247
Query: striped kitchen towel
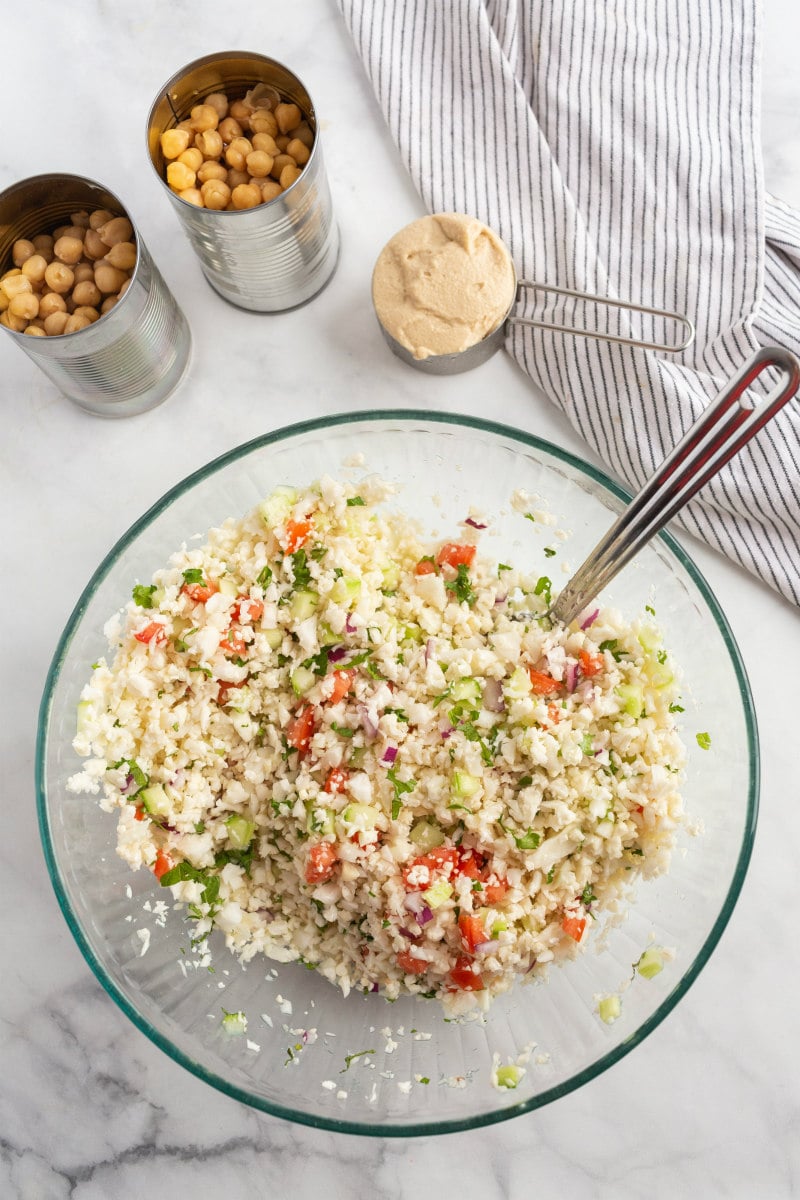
614 146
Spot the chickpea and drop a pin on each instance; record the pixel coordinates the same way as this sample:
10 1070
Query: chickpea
34 268
59 277
281 161
109 278
99 217
270 188
75 323
86 293
60 231
229 129
44 246
204 116
299 151
70 231
14 285
80 219
287 116
68 249
118 229
218 101
54 323
211 170
282 141
265 142
108 304
180 177
237 152
191 158
236 178
304 133
215 194
173 143
17 324
289 175
259 164
24 305
246 195
263 121
88 311
208 145
93 245
239 110
35 331
83 271
192 196
124 288
21 251
52 302
187 127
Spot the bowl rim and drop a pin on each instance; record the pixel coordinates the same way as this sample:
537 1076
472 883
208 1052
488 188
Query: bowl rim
413 1128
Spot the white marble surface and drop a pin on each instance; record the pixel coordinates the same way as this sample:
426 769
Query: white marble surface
89 1109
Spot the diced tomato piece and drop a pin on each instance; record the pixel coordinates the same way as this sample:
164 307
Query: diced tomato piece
471 864
162 864
472 931
408 962
246 610
543 685
301 729
342 683
199 593
639 808
591 664
297 534
224 688
418 873
494 890
139 813
337 778
574 926
554 713
154 632
321 862
425 567
454 555
465 976
233 644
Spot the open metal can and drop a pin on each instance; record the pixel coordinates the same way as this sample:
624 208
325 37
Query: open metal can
134 355
280 253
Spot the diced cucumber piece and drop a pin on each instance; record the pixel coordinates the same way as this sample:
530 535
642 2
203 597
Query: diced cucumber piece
518 686
346 591
84 718
240 831
273 637
357 756
631 696
228 586
326 635
609 1008
499 926
303 605
320 819
234 1023
412 633
463 785
508 1077
437 893
659 674
467 689
649 638
426 836
302 680
361 817
277 507
391 577
155 800
651 963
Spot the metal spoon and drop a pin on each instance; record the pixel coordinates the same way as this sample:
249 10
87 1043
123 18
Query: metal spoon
716 436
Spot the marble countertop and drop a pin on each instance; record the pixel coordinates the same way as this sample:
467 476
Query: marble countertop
89 1109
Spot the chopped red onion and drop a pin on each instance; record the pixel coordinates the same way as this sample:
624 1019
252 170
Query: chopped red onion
484 947
349 626
474 524
572 676
424 916
375 988
406 933
493 696
368 722
446 733
127 785
389 755
414 902
337 653
530 968
590 620
430 646
498 600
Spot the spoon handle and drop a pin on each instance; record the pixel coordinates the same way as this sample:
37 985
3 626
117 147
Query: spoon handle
716 436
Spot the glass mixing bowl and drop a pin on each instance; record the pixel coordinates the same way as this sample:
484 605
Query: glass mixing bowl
427 1075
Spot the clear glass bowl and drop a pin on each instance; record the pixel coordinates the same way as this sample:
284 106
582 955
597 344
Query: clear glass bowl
443 464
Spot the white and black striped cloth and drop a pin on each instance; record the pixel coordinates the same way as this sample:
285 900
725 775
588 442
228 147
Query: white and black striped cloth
614 146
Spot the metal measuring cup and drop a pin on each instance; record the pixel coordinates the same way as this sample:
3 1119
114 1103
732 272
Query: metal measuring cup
279 254
133 356
477 353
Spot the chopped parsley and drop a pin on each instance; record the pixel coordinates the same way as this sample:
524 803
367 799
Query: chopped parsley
264 578
549 552
676 708
143 594
530 517
587 895
349 1059
193 575
356 502
544 589
318 663
649 609
503 567
704 740
464 591
401 788
549 876
300 569
611 644
399 713
342 730
528 841
319 552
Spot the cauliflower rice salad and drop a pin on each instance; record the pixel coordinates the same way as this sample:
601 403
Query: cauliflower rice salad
341 745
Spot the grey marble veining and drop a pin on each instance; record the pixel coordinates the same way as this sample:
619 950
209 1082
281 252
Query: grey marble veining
709 1106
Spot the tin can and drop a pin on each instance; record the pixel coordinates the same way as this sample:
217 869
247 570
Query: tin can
132 358
279 254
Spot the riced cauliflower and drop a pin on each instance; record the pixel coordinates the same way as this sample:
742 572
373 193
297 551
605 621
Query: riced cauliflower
340 744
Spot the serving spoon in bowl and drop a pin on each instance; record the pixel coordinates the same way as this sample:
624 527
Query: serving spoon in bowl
721 430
